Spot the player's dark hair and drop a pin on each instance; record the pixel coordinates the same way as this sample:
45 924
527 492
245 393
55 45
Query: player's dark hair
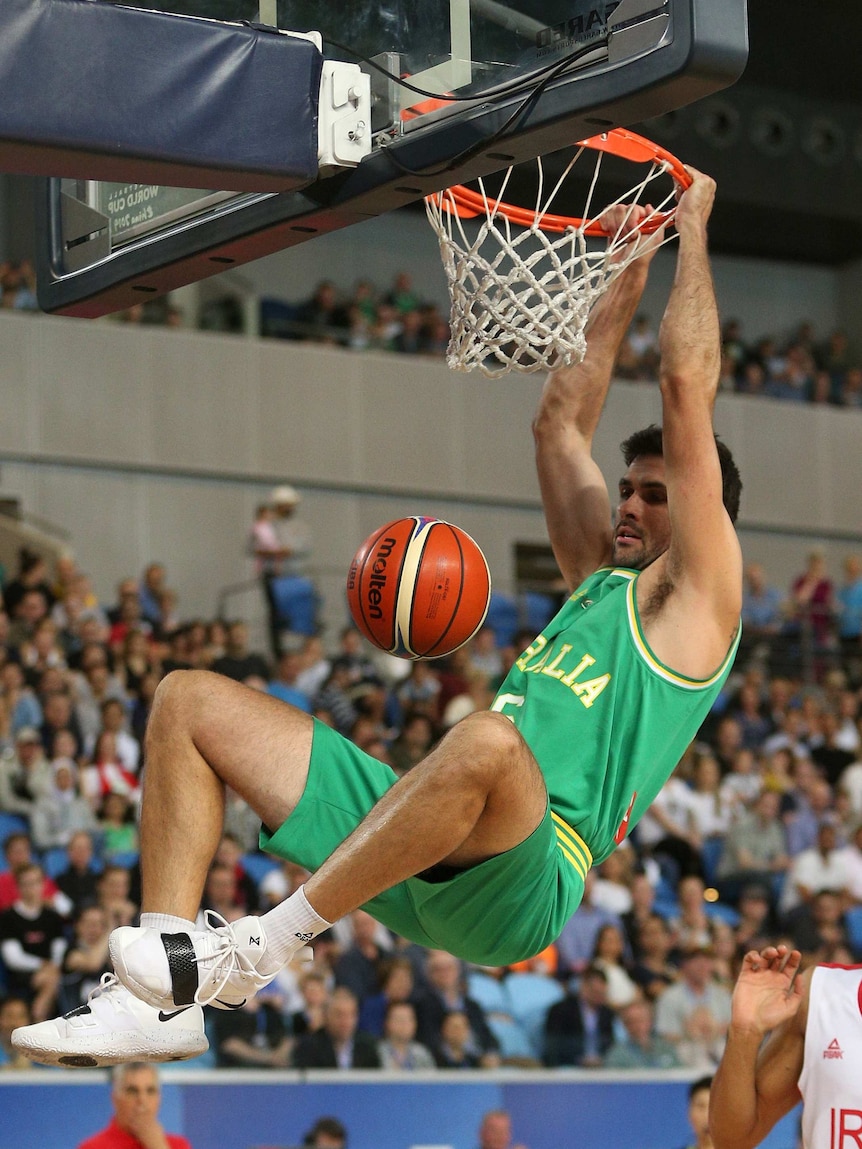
329 1126
701 1083
649 442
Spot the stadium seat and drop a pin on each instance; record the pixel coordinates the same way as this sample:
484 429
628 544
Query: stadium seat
503 618
722 912
853 922
296 601
55 861
10 824
278 320
710 854
258 865
537 611
493 997
531 995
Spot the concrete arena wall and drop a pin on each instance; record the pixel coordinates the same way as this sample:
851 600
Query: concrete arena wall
152 444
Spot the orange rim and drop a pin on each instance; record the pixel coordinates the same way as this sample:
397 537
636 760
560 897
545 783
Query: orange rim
468 203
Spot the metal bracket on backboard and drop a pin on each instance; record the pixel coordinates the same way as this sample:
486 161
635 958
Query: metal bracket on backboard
636 26
385 92
344 123
86 234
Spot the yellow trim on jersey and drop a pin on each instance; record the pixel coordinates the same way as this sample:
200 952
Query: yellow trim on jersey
573 846
659 668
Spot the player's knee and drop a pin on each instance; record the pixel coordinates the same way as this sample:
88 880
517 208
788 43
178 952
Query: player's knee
178 696
498 745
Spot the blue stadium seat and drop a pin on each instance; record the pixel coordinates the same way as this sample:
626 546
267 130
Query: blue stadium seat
710 855
531 995
853 922
537 611
493 997
257 866
503 618
296 601
278 320
10 824
722 912
55 861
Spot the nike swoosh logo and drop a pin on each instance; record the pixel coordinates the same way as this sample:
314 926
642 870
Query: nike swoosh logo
167 1016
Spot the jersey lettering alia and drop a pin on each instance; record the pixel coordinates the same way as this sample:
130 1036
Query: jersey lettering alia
537 659
605 719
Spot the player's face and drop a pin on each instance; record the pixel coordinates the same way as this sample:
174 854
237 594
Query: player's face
698 1112
642 522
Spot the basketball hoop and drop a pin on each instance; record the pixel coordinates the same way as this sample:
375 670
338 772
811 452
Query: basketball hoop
522 287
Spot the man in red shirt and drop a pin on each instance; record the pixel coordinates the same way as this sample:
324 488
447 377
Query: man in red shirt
136 1097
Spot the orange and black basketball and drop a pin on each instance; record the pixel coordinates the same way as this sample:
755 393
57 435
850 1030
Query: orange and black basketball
419 587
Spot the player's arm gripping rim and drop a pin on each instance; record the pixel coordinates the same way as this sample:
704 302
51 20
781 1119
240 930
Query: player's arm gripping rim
574 493
703 565
756 1083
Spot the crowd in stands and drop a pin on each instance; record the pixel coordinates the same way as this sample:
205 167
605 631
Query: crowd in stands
801 367
757 836
18 285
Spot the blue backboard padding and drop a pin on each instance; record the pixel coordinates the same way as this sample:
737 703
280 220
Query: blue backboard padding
102 92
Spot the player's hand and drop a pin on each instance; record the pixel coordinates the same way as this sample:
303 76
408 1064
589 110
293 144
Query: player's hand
623 224
694 204
768 990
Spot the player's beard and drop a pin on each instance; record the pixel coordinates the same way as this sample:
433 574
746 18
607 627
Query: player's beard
639 561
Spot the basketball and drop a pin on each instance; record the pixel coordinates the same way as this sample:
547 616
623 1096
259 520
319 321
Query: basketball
419 587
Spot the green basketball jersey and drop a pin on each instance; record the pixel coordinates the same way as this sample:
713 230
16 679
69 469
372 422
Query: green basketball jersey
606 721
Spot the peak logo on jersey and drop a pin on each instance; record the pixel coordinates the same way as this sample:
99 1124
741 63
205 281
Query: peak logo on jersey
833 1049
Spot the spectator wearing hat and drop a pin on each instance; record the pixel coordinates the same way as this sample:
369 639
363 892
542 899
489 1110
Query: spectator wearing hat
25 774
281 545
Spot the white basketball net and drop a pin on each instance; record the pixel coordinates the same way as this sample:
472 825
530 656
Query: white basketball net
521 296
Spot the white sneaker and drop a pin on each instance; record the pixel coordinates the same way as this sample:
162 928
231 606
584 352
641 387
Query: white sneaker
216 966
112 1027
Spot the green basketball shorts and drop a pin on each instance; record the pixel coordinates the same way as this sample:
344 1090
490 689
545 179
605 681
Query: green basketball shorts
501 911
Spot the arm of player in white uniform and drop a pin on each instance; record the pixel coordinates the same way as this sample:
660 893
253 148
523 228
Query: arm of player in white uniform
756 1083
704 561
574 493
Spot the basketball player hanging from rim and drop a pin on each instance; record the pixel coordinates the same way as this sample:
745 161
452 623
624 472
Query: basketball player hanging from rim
483 847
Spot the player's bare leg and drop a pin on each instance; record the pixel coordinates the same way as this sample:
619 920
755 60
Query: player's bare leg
478 794
206 732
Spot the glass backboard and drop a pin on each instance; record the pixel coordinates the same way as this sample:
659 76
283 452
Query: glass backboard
459 88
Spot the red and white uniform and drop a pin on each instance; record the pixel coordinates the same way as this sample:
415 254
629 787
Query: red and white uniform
831 1078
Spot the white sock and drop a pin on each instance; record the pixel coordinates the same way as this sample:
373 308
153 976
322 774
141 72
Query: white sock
166 923
289 926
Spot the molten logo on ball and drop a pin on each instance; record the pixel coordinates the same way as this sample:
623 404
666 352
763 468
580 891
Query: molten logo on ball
419 587
377 582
